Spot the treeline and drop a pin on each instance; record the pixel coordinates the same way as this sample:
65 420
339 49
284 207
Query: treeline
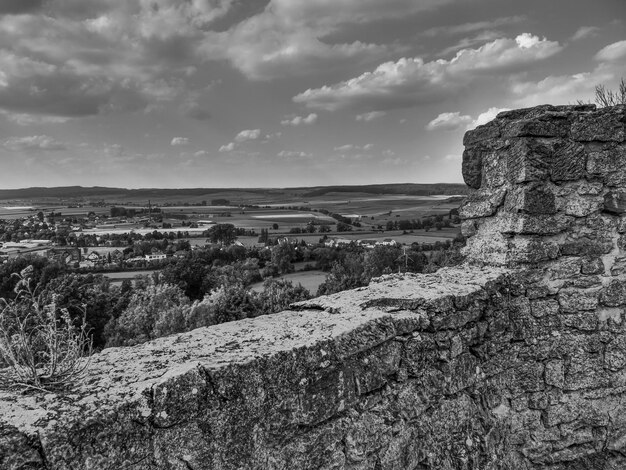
205 287
210 285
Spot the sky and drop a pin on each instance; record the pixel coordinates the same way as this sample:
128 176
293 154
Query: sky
281 93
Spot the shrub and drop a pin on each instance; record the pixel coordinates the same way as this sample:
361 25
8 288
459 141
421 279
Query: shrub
39 342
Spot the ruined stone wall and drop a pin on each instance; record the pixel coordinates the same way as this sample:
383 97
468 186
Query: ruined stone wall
515 360
549 201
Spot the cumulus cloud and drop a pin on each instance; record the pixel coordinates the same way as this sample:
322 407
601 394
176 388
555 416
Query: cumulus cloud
228 147
201 153
34 143
299 120
612 53
367 117
449 122
585 32
457 122
410 81
179 141
248 134
485 117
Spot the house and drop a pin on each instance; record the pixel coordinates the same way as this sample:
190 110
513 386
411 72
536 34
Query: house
117 256
335 242
155 256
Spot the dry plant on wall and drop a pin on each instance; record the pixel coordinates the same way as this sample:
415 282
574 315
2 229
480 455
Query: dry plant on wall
40 347
606 98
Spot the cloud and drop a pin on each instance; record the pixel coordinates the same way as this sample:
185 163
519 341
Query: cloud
457 122
228 147
291 37
352 147
344 148
485 117
465 28
293 154
248 134
196 112
562 89
105 56
179 141
449 122
410 81
201 153
585 32
299 120
15 7
34 143
367 117
612 53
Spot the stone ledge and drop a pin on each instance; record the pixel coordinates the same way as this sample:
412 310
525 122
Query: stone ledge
158 405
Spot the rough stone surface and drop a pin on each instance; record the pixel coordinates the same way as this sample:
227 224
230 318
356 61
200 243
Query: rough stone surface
515 360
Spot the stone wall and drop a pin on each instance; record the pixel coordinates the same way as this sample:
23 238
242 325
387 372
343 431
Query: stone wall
549 201
515 360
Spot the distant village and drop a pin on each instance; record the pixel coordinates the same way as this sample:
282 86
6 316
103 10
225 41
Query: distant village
125 239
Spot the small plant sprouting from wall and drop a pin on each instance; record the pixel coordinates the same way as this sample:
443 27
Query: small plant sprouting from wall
40 346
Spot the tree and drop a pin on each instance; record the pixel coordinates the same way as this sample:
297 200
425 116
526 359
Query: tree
157 311
282 256
278 294
222 233
343 227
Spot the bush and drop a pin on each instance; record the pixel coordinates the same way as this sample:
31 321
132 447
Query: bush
39 342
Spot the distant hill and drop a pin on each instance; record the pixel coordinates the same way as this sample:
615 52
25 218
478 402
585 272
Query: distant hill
70 192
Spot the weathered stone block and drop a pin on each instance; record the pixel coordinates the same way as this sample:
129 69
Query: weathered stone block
535 128
541 308
585 246
565 267
532 199
527 224
568 162
587 321
529 159
575 300
615 201
482 203
472 168
614 295
494 167
615 354
488 131
605 125
531 250
592 265
582 206
555 373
